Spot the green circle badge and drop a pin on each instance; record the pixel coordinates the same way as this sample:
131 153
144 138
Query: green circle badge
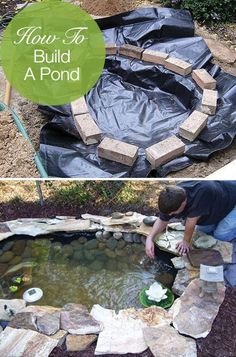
53 52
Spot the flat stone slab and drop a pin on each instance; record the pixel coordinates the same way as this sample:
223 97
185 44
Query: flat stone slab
88 129
79 106
203 79
24 320
165 341
122 332
79 343
209 101
164 151
156 57
76 320
225 171
131 51
49 324
27 343
193 125
178 66
13 307
118 151
193 316
183 279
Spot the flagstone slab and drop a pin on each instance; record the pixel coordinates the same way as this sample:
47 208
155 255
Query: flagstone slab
192 315
122 331
12 308
27 343
165 341
79 342
76 319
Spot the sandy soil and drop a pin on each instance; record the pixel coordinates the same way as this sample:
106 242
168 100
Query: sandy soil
34 121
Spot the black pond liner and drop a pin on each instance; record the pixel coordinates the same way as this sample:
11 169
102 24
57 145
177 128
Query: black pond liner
141 103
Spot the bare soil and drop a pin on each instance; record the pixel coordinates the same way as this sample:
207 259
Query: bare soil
34 120
16 158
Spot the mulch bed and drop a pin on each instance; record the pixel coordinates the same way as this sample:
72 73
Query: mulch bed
221 341
7 6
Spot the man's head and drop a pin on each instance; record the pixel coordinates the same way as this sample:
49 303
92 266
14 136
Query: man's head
172 200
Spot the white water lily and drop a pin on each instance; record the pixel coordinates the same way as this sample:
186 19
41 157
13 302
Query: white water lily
156 292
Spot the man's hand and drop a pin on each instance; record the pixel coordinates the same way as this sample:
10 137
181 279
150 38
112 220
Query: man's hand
183 247
150 248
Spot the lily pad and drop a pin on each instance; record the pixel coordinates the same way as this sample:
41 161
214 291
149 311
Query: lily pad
165 304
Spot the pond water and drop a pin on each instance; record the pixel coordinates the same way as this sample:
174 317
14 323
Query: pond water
80 270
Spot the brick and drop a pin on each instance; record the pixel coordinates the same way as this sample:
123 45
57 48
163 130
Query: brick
111 49
164 151
118 151
193 125
131 51
79 106
178 66
88 129
209 101
156 57
204 79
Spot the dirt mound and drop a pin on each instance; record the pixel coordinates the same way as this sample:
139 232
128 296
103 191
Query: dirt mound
16 153
111 7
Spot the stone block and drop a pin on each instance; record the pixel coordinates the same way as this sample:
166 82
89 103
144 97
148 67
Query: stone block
178 66
131 51
79 343
79 106
118 151
156 57
193 125
209 101
203 79
164 151
88 129
111 49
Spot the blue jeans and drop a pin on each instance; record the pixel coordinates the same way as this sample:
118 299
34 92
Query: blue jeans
225 230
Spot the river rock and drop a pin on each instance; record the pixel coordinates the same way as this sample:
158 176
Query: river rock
82 240
102 245
99 235
130 213
109 253
89 254
19 246
3 268
49 324
183 279
68 250
16 260
26 320
128 237
117 235
120 253
204 241
117 215
60 336
178 262
78 255
76 319
111 243
21 342
193 316
97 265
136 238
165 341
121 244
13 307
106 235
27 253
79 343
91 244
6 257
149 220
57 247
7 246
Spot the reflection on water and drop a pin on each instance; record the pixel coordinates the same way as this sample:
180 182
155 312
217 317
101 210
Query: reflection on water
80 272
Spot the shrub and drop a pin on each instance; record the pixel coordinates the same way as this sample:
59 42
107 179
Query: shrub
207 10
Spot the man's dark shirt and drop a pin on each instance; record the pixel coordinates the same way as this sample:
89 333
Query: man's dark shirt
211 200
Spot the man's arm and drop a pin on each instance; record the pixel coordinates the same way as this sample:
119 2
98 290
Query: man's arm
157 228
184 246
